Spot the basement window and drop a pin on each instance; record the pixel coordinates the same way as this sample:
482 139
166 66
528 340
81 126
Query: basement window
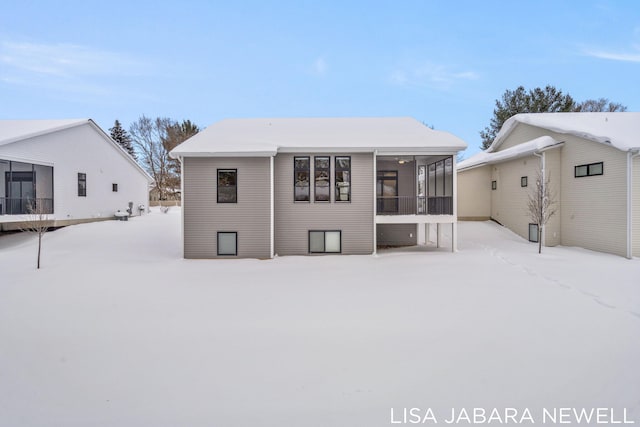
321 242
533 233
227 243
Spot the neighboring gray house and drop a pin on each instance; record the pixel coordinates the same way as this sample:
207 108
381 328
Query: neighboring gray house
592 164
70 169
256 188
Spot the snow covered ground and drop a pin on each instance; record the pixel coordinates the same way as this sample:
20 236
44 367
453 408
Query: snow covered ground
117 330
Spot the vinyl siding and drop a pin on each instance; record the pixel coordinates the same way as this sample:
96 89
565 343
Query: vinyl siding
397 234
293 220
553 166
250 217
523 133
474 193
83 149
636 207
594 208
509 200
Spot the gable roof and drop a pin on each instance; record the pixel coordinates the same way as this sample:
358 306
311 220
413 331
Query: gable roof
536 145
12 131
619 130
266 137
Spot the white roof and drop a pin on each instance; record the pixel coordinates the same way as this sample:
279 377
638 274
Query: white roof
266 137
15 130
520 150
620 130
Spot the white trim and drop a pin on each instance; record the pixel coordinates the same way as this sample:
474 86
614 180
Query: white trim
24 160
415 219
223 154
454 226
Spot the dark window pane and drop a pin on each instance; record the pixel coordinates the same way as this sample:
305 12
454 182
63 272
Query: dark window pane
227 188
316 241
301 179
322 180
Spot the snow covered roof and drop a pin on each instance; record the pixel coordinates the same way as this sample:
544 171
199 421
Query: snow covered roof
620 130
266 137
16 130
520 150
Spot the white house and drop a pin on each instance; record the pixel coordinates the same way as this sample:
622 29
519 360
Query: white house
70 168
592 164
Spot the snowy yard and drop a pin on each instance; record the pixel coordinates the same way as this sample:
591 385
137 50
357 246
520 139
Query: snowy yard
117 330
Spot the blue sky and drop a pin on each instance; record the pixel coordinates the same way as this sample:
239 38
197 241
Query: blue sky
442 62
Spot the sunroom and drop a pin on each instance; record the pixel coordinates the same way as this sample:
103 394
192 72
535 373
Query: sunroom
25 188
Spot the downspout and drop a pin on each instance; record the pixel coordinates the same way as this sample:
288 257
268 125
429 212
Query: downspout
543 233
634 152
375 201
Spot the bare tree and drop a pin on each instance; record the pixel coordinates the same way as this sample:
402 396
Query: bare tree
541 205
149 137
37 222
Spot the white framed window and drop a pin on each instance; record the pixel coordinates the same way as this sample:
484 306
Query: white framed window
227 243
325 241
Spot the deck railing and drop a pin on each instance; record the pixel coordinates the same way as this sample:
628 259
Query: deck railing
25 206
418 205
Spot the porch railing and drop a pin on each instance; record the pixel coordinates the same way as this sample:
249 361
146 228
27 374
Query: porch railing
418 205
25 206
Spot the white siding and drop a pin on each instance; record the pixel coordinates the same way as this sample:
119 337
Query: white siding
509 199
522 133
83 149
474 193
594 207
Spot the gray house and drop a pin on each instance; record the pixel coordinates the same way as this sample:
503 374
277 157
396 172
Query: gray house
255 188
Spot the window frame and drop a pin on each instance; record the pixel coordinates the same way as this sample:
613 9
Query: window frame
325 241
588 167
315 178
295 175
82 189
235 233
524 181
537 232
235 171
335 179
494 185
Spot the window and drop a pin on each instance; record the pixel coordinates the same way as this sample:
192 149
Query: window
494 185
227 186
227 243
322 188
343 179
524 181
533 233
82 185
589 170
325 242
301 174
114 188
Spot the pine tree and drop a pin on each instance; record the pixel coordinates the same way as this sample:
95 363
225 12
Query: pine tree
120 135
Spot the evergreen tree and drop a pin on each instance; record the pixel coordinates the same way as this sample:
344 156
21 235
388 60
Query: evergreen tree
538 100
120 135
547 100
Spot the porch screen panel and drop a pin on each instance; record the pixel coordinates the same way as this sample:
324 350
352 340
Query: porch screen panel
432 180
439 179
44 187
4 171
448 177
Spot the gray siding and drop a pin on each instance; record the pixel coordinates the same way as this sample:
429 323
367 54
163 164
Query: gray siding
397 234
293 220
204 217
636 207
